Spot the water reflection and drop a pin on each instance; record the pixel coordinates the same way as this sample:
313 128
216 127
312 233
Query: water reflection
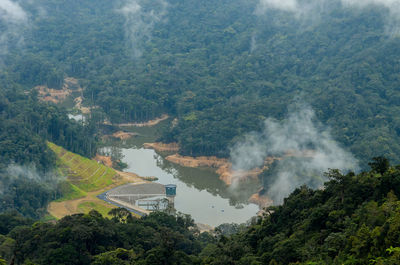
200 192
207 179
77 117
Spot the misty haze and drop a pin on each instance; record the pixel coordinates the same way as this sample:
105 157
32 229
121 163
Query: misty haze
199 132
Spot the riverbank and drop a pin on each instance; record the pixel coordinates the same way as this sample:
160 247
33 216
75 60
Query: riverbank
200 193
261 200
121 135
144 124
222 166
161 147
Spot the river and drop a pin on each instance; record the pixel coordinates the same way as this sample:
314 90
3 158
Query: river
200 192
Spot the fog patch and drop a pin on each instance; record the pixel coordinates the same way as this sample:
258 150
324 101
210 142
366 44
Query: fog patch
307 9
29 172
12 12
391 4
393 7
303 147
140 20
312 10
253 43
13 19
287 5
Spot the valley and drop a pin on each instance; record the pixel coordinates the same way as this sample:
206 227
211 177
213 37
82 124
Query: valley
169 132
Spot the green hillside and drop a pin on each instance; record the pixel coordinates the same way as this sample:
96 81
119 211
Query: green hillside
85 179
28 177
84 173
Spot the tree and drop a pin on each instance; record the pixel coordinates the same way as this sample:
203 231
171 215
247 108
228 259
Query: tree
379 164
120 214
119 256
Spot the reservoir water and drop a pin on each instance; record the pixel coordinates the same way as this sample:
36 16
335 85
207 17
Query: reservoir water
77 117
200 192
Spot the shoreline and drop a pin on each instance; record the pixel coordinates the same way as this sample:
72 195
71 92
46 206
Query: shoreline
144 124
222 166
161 147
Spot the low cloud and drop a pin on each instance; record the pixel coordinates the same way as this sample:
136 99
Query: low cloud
305 148
298 6
392 4
311 12
140 20
30 172
287 5
12 12
13 19
393 7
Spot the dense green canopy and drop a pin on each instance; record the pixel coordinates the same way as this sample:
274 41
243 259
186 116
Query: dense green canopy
220 67
28 176
355 219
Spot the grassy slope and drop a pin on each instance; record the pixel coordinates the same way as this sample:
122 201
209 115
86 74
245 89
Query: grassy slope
83 173
86 179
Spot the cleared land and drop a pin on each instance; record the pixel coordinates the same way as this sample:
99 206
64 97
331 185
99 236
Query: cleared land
145 124
86 178
58 95
161 147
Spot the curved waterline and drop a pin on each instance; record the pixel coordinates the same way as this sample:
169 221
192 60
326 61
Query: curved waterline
200 193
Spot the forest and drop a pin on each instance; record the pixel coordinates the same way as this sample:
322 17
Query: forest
28 170
354 219
224 76
219 69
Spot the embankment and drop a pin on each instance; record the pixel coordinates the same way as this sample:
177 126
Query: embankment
201 161
145 124
86 179
222 165
261 200
121 135
161 147
129 206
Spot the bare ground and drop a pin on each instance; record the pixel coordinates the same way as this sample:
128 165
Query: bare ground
161 147
106 160
52 95
61 209
145 124
123 135
58 95
78 105
204 227
261 200
223 167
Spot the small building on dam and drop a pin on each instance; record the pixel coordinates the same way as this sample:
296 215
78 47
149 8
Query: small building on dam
144 197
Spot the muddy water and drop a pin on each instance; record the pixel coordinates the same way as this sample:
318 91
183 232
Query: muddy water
200 192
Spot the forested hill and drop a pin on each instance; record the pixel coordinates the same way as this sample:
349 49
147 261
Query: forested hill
220 67
355 219
28 176
27 123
